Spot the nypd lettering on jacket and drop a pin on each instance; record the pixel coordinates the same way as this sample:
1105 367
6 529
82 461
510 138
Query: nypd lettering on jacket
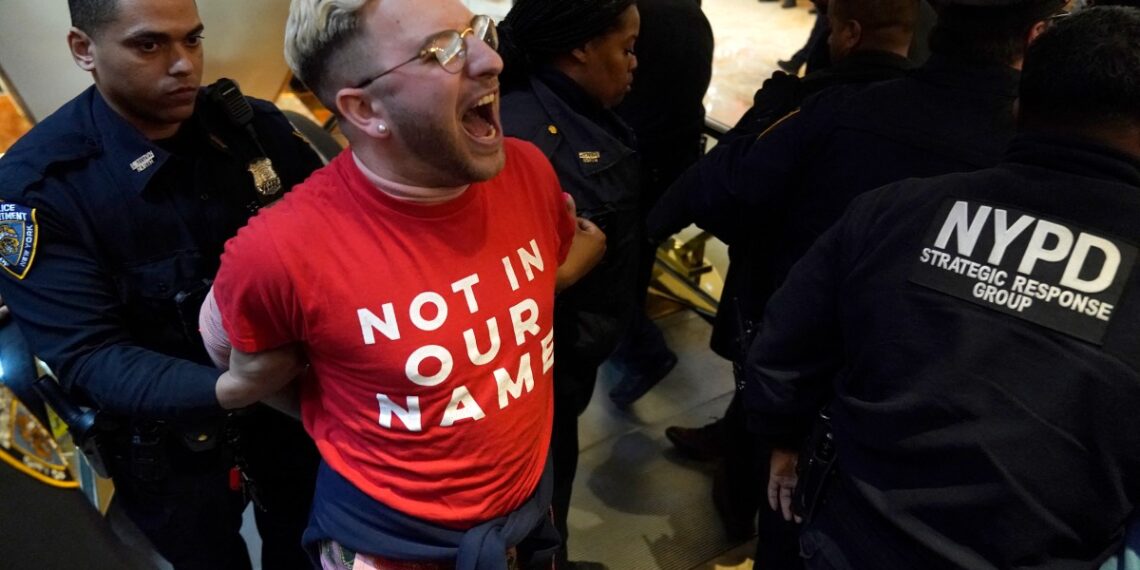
1052 273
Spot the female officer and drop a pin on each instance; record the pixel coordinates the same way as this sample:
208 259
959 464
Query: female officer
566 65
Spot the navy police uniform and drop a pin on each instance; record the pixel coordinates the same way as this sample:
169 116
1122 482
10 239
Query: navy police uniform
978 334
111 241
675 53
775 195
591 150
665 106
770 197
783 93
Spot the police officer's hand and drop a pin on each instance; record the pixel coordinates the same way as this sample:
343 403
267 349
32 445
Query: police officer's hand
3 310
782 482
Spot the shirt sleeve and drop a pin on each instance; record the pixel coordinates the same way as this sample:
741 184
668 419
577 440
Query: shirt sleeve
732 188
69 309
213 334
565 222
255 293
779 96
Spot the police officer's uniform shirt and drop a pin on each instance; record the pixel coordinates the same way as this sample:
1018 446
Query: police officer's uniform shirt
979 332
123 226
592 152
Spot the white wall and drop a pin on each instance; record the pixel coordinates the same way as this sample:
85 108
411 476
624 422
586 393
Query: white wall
243 41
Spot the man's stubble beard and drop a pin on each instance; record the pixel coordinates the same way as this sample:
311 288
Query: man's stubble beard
441 150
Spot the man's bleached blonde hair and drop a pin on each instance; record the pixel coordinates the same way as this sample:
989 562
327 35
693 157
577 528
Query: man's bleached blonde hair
319 43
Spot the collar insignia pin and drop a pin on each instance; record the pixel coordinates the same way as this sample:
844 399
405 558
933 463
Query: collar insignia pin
591 157
143 162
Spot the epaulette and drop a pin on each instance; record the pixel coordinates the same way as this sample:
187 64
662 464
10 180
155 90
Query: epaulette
28 163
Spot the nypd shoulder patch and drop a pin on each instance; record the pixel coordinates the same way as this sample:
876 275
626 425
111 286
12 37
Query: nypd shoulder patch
28 446
18 236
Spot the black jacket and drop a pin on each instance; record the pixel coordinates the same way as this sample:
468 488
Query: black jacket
783 93
774 196
985 398
666 105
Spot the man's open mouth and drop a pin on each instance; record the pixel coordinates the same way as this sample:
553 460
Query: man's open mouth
479 120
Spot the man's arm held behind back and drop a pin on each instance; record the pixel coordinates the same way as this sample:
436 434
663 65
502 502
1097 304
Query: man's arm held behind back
256 376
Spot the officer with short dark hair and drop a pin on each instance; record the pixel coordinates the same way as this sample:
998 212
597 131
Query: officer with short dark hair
113 215
867 41
976 337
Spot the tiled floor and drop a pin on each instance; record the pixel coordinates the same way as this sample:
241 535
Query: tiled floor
750 37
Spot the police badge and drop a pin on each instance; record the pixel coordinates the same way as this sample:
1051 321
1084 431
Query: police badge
18 235
264 177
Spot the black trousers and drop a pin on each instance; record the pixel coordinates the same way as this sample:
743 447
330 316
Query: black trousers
746 476
574 382
193 517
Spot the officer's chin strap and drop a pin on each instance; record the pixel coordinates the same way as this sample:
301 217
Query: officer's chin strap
226 94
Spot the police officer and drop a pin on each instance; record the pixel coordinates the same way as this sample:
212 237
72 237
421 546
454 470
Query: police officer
674 55
115 209
566 65
978 335
867 42
953 114
770 198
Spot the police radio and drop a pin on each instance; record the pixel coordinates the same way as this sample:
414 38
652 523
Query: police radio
228 97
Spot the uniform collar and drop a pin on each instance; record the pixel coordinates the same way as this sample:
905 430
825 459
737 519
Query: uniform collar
873 58
1079 156
966 76
132 159
596 147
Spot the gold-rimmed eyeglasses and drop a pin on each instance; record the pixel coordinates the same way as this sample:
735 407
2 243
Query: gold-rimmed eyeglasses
449 47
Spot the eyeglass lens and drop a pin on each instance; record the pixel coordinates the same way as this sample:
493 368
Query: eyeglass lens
450 49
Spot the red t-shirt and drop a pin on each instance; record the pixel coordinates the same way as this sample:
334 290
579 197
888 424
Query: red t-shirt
428 328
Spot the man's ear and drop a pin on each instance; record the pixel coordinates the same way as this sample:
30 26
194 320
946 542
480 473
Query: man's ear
856 30
849 35
82 49
1037 29
364 112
